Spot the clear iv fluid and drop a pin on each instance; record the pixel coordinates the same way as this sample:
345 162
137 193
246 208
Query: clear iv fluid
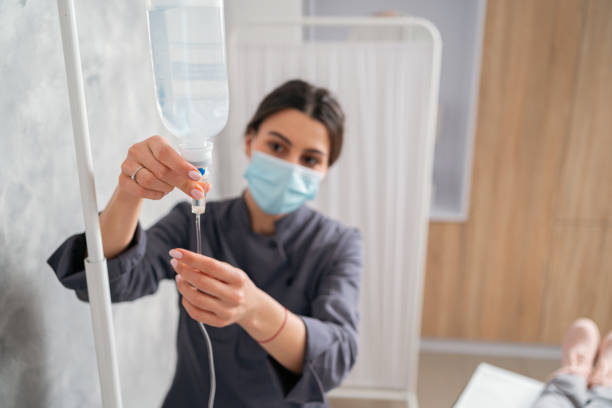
189 66
187 45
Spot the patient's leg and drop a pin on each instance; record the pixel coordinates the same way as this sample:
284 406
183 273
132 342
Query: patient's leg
600 397
568 385
601 378
563 391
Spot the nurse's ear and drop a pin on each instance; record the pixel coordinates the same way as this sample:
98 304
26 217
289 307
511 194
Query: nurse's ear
248 139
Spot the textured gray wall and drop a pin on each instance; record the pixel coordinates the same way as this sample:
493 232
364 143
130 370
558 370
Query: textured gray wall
47 355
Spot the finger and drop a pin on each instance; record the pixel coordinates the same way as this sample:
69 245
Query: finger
219 270
169 177
143 176
142 154
130 165
189 175
149 181
199 299
127 184
200 315
205 283
165 154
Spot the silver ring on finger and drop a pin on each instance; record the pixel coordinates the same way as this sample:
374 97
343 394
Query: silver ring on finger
133 176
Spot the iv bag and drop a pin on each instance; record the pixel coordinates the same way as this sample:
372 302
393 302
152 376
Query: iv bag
187 40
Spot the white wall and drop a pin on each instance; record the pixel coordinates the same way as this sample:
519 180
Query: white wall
242 11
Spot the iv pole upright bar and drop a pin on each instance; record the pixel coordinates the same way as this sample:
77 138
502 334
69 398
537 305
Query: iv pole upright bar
96 271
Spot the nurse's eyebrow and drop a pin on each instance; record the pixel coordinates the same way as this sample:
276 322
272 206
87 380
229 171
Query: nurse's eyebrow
316 151
281 136
286 140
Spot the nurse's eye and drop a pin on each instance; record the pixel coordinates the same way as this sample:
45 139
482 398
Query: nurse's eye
311 161
276 147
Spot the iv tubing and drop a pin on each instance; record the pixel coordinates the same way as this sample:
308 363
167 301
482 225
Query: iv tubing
195 206
96 271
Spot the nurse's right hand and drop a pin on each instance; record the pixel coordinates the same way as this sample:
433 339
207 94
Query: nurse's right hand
156 169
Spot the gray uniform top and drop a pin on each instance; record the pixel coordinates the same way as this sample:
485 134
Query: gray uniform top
312 265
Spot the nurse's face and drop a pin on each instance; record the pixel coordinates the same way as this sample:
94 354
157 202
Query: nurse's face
292 136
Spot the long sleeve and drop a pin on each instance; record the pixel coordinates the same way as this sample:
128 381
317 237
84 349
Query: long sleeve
137 270
331 329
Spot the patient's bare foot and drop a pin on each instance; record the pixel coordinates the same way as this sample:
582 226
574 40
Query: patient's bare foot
602 374
579 348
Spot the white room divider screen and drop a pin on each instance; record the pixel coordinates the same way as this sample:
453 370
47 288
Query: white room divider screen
382 182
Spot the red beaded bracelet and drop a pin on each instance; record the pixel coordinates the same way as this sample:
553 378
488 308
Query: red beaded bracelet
279 330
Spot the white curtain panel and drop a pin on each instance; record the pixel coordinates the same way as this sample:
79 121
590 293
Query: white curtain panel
381 183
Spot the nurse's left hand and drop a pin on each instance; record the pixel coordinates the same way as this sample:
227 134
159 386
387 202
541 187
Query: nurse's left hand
214 292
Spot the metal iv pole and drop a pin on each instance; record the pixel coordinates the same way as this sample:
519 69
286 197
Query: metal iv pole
96 271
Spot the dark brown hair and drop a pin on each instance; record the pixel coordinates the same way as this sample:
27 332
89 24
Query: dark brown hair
317 103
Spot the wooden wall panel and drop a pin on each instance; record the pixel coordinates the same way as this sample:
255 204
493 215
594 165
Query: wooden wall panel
580 276
586 192
602 312
579 281
497 276
442 290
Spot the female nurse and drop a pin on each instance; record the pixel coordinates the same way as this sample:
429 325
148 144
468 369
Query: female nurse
278 283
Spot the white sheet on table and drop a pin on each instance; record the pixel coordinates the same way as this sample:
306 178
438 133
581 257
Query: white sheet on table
492 386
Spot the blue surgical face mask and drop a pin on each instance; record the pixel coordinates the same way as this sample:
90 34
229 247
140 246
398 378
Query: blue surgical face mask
280 187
